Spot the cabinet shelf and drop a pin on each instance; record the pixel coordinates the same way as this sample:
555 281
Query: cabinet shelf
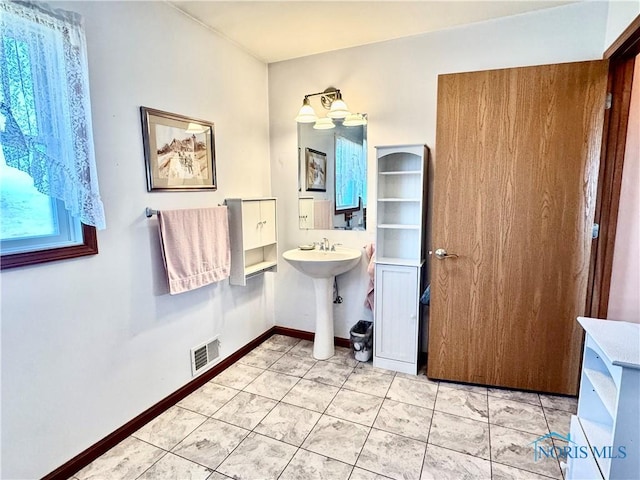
605 387
400 200
399 226
598 435
250 270
402 172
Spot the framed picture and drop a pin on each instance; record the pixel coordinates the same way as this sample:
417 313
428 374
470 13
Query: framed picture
316 163
179 152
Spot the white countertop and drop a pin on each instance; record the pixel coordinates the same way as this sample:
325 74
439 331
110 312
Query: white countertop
619 341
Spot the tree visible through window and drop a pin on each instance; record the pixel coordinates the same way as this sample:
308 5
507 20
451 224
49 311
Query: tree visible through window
49 198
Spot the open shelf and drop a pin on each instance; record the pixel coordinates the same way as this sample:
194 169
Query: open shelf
259 267
399 226
605 388
402 172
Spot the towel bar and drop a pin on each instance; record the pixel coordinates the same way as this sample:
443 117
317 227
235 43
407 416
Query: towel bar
150 212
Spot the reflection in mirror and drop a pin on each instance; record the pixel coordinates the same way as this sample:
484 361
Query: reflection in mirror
332 177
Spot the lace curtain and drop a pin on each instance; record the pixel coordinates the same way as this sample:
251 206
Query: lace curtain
45 104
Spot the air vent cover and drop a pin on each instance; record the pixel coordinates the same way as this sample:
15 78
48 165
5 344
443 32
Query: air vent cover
204 356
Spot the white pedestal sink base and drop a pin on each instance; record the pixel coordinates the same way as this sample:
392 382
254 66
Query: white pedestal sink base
323 341
322 266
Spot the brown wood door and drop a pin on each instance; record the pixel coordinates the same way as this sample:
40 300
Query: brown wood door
516 167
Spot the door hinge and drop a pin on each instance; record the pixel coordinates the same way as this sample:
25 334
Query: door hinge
595 231
608 101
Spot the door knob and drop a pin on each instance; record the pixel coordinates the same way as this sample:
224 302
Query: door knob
441 254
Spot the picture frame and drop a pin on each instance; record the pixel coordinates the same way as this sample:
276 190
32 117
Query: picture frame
179 152
316 170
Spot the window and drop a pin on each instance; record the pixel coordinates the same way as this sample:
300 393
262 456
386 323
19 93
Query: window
351 175
49 199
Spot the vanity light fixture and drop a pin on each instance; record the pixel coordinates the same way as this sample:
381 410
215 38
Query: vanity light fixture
324 124
306 113
354 120
338 108
331 99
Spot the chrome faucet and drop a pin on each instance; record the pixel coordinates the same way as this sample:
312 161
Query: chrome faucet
324 246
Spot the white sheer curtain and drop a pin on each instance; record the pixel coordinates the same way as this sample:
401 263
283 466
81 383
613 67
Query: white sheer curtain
45 104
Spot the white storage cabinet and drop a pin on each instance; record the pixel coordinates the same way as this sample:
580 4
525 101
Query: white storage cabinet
253 237
400 255
608 419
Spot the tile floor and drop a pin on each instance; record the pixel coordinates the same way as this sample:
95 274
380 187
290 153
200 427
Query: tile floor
279 413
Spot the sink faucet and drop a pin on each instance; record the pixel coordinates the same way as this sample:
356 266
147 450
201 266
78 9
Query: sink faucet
324 246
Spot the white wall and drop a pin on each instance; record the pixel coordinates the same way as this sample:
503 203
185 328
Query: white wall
620 14
624 296
395 82
90 343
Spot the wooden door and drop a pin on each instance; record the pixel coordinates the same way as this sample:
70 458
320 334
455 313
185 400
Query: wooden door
516 165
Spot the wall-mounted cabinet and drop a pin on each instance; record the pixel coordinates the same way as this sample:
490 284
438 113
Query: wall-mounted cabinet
305 213
400 255
608 419
253 237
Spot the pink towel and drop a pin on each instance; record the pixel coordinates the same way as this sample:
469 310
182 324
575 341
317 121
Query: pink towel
323 214
195 247
370 251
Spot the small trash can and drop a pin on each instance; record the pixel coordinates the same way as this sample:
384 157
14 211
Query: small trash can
362 340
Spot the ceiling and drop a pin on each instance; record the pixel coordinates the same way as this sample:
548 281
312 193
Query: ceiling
276 31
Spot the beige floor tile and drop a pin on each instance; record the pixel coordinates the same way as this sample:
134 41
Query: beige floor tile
237 376
257 457
369 380
329 373
245 410
421 394
337 439
293 365
444 464
211 442
518 415
392 455
312 395
170 428
288 423
272 385
515 448
460 434
462 402
355 407
127 460
404 419
311 466
172 466
208 398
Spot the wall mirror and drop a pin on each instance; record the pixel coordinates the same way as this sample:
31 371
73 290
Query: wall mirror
332 177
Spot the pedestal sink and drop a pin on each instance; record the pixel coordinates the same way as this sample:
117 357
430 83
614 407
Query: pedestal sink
322 267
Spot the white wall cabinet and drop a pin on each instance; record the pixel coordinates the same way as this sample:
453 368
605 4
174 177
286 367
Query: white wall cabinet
400 255
253 237
608 419
305 213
